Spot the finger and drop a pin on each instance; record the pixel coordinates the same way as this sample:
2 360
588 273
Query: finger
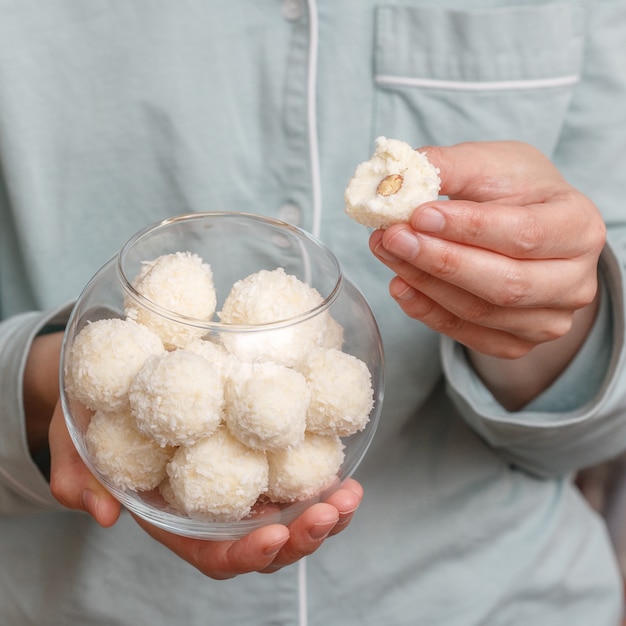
306 534
493 277
346 500
531 325
267 549
322 520
496 343
71 482
521 232
225 559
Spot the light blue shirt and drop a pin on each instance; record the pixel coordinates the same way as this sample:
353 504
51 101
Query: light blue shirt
115 114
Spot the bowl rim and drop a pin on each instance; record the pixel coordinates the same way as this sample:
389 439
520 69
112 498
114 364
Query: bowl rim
214 325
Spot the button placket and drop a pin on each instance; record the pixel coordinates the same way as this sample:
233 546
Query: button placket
293 10
290 213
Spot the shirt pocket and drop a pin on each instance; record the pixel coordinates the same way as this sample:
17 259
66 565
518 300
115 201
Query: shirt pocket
444 75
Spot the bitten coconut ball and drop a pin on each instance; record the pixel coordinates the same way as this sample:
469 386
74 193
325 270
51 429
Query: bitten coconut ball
104 358
386 189
177 397
303 471
218 478
266 297
127 457
181 283
342 396
266 406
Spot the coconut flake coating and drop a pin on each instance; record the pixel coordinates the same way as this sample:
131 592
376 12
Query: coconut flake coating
165 490
370 203
333 337
342 395
181 283
124 455
104 358
177 397
220 358
218 478
266 406
303 471
266 297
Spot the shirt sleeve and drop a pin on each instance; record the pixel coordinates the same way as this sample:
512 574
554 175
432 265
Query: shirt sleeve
23 488
580 419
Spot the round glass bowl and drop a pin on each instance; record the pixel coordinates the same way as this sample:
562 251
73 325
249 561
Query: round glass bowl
114 391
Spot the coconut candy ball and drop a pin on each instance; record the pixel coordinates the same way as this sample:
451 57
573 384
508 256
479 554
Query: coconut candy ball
177 397
216 354
104 358
266 406
266 297
303 471
124 455
180 283
166 492
218 478
387 188
333 337
182 397
342 396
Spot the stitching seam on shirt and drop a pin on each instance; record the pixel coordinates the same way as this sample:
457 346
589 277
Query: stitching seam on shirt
459 85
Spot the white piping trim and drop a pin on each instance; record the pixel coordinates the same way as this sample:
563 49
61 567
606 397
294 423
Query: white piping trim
316 197
314 156
302 599
459 85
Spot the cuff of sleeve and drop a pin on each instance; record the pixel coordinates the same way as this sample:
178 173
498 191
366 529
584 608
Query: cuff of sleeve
23 487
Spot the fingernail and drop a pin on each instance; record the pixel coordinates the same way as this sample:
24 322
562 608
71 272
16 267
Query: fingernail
407 294
348 511
404 244
321 530
274 548
380 252
430 220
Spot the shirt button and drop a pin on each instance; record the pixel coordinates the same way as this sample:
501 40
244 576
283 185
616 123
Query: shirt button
290 213
293 10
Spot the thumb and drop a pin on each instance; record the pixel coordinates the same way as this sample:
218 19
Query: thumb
494 171
71 482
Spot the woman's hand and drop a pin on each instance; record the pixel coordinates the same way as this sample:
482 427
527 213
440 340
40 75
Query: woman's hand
264 550
507 264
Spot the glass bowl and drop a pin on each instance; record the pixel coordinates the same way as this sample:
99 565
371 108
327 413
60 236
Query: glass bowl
134 422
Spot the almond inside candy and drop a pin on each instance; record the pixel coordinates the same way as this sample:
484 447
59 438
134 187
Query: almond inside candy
389 185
